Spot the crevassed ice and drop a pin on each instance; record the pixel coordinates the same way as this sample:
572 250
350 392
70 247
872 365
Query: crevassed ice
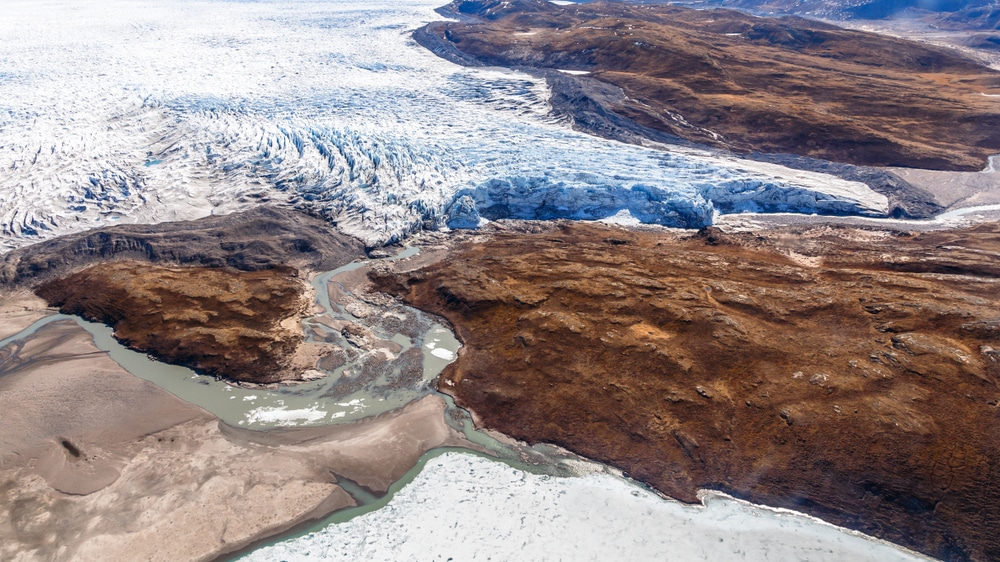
147 111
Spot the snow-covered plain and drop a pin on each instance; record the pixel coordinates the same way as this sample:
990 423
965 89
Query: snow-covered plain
463 507
156 110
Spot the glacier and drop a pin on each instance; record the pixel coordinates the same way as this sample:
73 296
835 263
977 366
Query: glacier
149 111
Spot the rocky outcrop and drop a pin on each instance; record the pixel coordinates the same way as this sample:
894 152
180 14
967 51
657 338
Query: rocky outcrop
850 374
219 322
249 241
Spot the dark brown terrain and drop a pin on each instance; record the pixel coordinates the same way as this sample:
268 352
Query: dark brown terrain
942 14
249 241
848 373
743 83
220 322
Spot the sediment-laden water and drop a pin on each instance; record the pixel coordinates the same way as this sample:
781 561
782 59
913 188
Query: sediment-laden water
368 382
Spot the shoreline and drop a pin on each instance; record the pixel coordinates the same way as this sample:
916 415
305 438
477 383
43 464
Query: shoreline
437 248
368 451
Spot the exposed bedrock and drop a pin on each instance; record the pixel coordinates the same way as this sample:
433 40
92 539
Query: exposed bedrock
739 82
851 374
220 322
249 241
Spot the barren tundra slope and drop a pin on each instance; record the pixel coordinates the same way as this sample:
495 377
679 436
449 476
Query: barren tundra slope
850 374
748 84
942 14
252 240
220 322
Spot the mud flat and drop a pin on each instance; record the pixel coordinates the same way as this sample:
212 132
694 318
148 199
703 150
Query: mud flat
955 190
19 309
131 472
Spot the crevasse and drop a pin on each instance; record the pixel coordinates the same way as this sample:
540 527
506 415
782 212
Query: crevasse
168 110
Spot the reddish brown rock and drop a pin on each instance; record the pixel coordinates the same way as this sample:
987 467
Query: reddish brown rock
846 373
744 83
220 322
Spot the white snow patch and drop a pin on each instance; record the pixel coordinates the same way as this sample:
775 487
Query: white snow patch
574 72
443 353
284 417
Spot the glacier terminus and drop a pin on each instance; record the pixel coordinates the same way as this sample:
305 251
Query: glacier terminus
129 111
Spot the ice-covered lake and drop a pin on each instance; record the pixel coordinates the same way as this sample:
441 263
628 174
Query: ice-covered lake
468 508
155 110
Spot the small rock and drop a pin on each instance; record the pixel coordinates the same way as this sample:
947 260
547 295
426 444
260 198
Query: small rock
819 379
311 375
382 253
358 336
359 310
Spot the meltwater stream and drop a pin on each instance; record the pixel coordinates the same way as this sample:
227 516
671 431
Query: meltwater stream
394 379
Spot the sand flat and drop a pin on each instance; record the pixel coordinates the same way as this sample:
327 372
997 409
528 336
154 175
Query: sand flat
96 464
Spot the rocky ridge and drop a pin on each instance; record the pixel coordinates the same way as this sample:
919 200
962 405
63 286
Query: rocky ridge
219 322
847 373
743 83
253 240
